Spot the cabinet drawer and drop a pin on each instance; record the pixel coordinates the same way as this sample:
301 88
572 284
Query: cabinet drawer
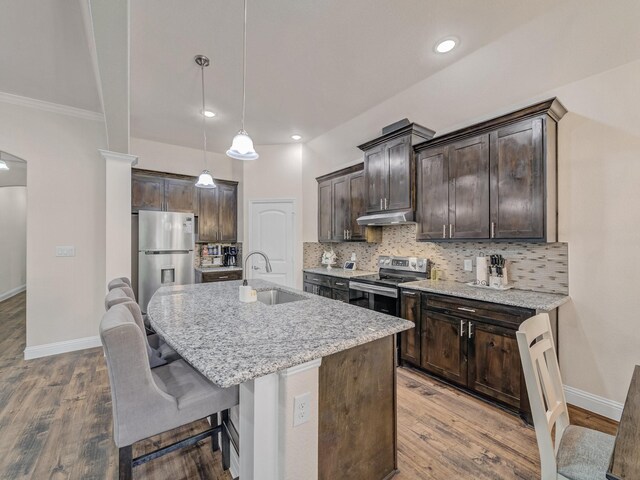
316 279
476 310
221 276
340 283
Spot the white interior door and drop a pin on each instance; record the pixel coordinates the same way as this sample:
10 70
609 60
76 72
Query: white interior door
271 230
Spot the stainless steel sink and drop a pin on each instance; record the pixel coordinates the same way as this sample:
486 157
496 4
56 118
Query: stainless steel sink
276 297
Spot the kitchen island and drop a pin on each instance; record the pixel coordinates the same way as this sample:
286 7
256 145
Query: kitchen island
339 354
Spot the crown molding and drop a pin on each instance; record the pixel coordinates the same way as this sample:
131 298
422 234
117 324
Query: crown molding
50 107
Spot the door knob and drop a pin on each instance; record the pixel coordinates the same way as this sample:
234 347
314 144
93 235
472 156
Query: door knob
255 268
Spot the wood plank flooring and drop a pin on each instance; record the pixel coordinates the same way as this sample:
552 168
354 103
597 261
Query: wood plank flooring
55 423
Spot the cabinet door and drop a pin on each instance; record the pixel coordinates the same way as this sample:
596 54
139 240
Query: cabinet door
339 207
469 188
494 363
517 180
227 212
410 339
341 295
432 210
376 174
324 211
147 192
399 191
180 195
310 288
208 220
357 206
325 292
444 346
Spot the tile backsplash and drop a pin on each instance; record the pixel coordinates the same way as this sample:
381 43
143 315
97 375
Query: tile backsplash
541 267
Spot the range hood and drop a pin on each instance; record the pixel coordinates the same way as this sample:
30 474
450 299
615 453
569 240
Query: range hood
390 218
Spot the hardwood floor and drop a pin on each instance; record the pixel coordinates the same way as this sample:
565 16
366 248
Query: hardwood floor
55 423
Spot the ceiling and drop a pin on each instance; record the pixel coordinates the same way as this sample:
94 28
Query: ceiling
17 173
310 65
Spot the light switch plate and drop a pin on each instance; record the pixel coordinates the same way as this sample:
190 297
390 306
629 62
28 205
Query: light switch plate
301 409
65 251
468 265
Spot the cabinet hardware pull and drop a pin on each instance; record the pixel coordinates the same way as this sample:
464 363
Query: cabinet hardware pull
462 322
450 230
226 276
344 234
341 284
348 234
380 203
444 231
465 309
470 332
410 294
493 229
385 203
328 233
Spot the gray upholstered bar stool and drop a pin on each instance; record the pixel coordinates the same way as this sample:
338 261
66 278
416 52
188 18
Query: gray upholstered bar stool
149 402
158 350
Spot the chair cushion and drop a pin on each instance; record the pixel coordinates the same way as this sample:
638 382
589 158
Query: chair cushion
584 453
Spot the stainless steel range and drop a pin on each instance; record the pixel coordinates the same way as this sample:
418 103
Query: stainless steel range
380 292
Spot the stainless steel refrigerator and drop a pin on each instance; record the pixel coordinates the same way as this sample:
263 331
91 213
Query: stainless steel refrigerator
165 252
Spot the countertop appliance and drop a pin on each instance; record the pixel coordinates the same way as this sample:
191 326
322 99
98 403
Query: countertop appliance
165 252
380 292
230 256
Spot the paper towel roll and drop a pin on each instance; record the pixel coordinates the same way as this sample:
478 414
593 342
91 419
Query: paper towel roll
482 271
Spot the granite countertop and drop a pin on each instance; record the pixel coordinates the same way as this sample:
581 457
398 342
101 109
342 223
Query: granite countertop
218 269
338 272
231 342
518 298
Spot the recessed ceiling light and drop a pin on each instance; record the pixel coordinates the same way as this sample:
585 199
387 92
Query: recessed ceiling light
446 44
296 137
209 114
3 165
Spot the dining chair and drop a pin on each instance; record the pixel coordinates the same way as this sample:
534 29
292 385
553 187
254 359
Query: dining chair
158 350
148 402
117 282
577 453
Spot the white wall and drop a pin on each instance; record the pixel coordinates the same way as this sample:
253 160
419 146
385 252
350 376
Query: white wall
277 174
65 206
13 240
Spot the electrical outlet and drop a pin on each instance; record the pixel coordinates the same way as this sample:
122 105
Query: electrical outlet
468 265
66 251
301 409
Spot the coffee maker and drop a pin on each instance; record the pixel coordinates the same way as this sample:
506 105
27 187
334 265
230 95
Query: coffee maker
230 256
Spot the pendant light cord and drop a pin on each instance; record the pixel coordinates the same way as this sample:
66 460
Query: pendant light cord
204 129
244 64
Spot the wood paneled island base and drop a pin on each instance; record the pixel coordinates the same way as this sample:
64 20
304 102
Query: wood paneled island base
357 413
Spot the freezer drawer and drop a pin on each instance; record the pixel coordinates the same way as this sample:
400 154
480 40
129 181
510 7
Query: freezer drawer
160 269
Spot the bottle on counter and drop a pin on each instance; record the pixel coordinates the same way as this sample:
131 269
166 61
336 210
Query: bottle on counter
434 272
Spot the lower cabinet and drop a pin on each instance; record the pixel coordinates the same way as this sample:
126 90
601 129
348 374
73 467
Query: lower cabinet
222 276
326 286
466 342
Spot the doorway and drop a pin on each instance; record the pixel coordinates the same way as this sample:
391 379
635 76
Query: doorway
272 231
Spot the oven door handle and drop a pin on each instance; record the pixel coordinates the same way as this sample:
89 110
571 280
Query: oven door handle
384 291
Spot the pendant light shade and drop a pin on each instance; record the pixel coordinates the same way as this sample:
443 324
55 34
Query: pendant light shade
205 180
3 165
242 145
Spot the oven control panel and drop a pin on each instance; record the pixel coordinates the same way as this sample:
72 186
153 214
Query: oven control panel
407 264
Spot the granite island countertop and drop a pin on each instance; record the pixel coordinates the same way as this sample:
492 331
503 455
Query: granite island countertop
231 342
338 272
543 302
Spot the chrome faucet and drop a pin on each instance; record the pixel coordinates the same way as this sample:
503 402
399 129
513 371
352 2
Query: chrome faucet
246 262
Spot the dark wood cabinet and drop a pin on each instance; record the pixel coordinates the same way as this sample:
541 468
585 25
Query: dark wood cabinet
341 200
410 339
326 286
467 342
180 195
221 276
389 169
147 192
151 191
218 207
501 178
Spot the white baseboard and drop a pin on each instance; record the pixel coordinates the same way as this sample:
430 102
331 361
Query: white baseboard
61 347
234 464
593 403
12 292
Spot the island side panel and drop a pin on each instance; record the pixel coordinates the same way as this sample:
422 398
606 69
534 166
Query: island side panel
357 413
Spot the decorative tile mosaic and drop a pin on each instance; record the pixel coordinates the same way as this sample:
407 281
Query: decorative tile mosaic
541 267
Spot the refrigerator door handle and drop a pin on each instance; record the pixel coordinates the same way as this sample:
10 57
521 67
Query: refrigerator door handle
165 252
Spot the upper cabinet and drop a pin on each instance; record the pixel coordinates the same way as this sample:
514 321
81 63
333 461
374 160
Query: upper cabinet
341 200
494 180
218 220
389 169
157 191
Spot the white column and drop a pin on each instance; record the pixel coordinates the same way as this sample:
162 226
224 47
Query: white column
118 213
271 448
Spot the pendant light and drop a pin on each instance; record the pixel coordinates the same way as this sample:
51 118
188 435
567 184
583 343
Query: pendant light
205 180
242 145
